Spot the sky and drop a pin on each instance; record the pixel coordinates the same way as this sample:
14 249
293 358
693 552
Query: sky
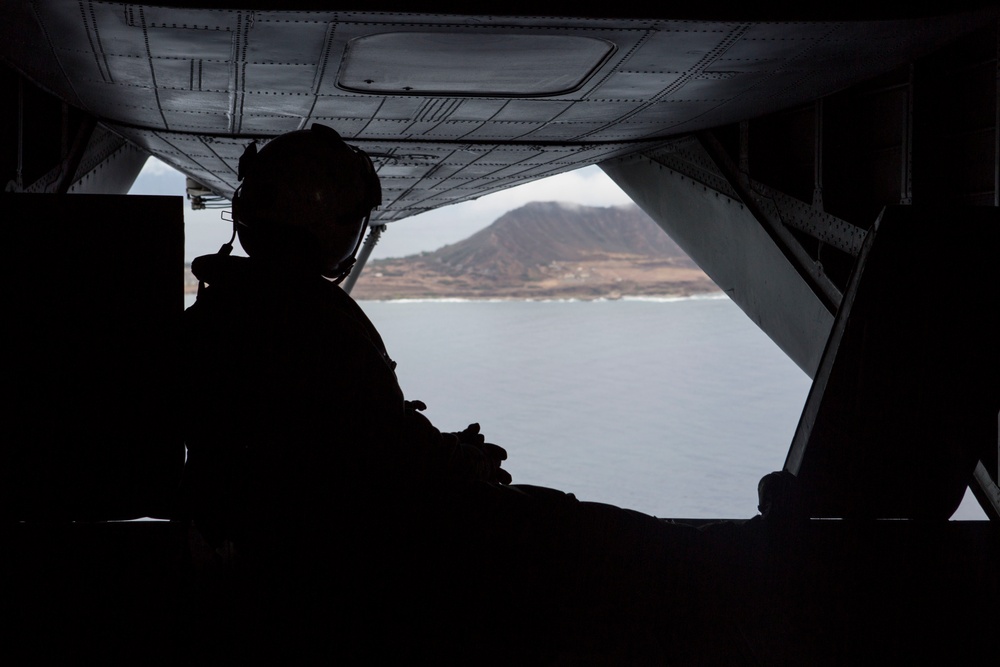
206 231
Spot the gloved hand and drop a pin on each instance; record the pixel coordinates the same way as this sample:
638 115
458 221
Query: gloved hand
494 455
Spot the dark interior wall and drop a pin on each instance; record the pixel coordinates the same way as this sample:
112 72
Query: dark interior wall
93 289
43 118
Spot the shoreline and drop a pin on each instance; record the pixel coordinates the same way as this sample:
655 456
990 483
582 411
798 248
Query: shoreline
689 284
661 298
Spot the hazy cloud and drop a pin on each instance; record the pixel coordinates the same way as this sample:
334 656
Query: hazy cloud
429 231
155 167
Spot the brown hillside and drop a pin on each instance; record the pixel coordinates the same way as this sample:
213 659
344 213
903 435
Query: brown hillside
545 250
531 237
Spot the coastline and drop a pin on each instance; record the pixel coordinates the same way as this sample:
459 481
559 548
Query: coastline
660 298
584 280
586 283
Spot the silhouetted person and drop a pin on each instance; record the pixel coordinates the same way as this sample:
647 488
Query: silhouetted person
348 511
294 384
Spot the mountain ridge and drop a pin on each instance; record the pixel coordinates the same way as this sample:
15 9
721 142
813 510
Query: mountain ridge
545 250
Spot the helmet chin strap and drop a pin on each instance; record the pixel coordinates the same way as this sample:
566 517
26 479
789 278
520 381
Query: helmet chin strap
343 269
227 248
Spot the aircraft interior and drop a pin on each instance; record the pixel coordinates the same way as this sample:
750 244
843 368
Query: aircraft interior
835 170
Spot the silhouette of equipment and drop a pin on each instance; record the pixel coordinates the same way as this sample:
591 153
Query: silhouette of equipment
904 405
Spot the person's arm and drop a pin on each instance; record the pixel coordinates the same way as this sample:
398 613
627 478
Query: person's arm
459 456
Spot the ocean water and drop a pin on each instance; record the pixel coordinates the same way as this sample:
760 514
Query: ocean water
674 407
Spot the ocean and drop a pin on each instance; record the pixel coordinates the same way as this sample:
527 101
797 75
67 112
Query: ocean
674 407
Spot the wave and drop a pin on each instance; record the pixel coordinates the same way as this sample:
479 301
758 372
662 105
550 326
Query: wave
705 296
450 299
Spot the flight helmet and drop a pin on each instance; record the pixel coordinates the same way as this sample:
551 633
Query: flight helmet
307 196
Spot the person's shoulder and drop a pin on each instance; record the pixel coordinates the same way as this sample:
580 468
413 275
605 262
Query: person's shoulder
349 307
220 268
343 299
226 288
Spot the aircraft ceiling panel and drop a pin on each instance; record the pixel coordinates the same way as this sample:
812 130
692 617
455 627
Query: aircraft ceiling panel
489 63
719 86
204 77
771 43
403 109
121 71
213 43
85 67
192 112
679 46
298 39
671 112
500 131
265 123
559 131
634 85
446 130
197 152
163 16
419 128
271 80
529 96
347 107
601 110
474 110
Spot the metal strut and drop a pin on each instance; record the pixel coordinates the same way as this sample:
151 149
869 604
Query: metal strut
366 250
